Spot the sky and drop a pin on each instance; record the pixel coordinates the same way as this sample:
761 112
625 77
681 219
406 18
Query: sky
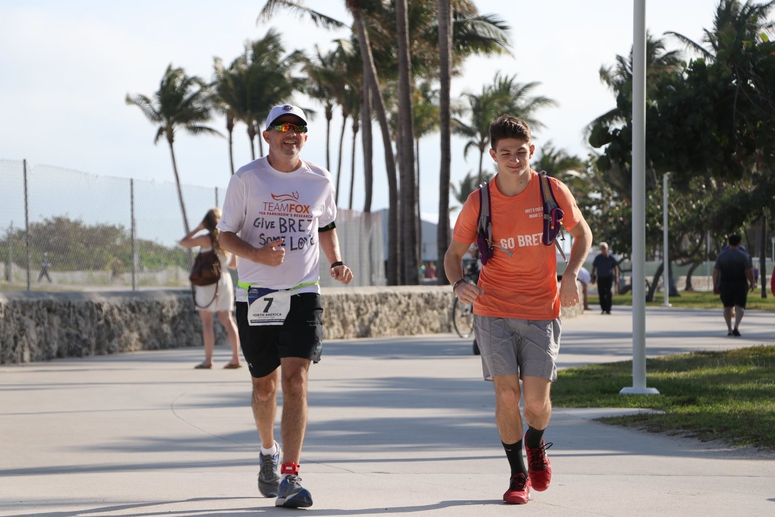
68 66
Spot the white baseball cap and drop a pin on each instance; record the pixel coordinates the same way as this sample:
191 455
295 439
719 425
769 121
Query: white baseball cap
284 109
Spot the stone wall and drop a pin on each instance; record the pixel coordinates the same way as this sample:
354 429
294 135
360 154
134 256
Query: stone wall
43 326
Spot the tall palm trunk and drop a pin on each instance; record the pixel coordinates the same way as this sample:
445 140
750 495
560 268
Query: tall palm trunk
252 136
177 183
352 160
345 114
329 116
230 130
367 142
406 142
417 198
260 139
373 83
445 79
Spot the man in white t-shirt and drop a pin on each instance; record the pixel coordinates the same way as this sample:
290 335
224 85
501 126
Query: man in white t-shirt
278 213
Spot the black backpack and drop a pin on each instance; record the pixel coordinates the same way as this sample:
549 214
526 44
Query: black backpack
553 215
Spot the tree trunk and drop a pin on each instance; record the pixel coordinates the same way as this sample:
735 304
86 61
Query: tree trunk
230 130
406 135
689 286
390 166
417 197
252 136
445 79
367 142
763 255
180 189
329 117
260 139
352 160
345 114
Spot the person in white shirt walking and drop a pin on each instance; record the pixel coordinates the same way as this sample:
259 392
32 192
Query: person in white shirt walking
278 213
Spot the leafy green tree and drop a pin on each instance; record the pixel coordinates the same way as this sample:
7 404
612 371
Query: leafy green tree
181 102
503 96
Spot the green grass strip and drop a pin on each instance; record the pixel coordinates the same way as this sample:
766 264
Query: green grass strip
706 395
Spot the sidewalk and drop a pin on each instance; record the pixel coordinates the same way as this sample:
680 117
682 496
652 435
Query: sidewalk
396 425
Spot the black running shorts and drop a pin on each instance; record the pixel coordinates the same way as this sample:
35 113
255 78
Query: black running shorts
734 293
301 335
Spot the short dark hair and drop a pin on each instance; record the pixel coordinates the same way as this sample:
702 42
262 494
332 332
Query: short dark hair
507 126
734 239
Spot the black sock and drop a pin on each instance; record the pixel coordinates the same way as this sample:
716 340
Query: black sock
514 455
534 437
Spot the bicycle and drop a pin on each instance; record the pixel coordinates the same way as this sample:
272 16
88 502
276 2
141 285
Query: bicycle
463 318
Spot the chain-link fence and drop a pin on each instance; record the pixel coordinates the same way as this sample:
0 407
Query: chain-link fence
64 230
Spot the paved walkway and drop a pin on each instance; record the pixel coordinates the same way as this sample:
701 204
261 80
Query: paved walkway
399 425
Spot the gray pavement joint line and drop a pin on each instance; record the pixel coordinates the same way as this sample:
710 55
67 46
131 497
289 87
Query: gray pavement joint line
180 417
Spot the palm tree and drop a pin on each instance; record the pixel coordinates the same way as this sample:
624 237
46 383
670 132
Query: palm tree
426 121
406 143
225 94
445 127
181 102
734 23
467 185
557 162
323 83
504 96
355 7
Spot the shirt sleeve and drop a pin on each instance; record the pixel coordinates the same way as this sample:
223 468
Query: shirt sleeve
571 212
329 208
468 220
234 208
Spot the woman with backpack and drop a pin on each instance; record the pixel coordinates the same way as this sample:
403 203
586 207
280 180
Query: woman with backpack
216 298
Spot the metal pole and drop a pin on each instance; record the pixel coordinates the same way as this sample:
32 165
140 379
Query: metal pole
216 197
639 204
27 223
666 258
707 260
134 232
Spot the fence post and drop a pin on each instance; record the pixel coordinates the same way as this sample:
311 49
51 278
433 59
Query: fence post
9 273
134 231
216 197
27 223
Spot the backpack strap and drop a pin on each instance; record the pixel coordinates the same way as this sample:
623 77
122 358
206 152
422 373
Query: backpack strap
484 229
553 215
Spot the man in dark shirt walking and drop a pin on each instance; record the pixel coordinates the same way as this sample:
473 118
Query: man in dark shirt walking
732 279
605 271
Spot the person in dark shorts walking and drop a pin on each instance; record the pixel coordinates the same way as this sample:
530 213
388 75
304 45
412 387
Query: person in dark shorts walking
605 271
732 279
278 214
517 300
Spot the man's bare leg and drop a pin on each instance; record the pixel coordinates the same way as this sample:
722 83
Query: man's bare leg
294 418
507 416
264 403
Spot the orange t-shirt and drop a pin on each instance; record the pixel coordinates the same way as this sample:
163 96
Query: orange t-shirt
523 286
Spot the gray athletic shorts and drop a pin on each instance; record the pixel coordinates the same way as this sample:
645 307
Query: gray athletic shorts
512 346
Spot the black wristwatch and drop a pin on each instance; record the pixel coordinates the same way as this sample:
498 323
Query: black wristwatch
337 263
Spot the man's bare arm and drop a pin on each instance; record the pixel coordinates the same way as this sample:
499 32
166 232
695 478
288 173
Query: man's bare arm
582 242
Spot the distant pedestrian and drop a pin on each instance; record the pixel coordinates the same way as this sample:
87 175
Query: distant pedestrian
430 270
216 299
732 279
585 278
605 271
44 265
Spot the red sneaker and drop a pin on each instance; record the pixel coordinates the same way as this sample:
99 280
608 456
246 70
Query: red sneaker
519 490
538 467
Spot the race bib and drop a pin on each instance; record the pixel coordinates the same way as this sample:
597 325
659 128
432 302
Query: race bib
268 306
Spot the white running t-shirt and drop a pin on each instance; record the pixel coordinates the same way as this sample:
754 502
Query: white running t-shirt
263 204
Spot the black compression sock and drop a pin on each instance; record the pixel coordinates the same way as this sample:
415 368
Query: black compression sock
534 437
514 455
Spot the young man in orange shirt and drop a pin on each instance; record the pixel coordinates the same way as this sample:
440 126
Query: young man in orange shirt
517 300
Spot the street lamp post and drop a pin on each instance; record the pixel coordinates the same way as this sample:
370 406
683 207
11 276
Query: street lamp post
639 204
666 261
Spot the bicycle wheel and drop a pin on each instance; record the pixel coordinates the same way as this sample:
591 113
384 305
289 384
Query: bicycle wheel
463 318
